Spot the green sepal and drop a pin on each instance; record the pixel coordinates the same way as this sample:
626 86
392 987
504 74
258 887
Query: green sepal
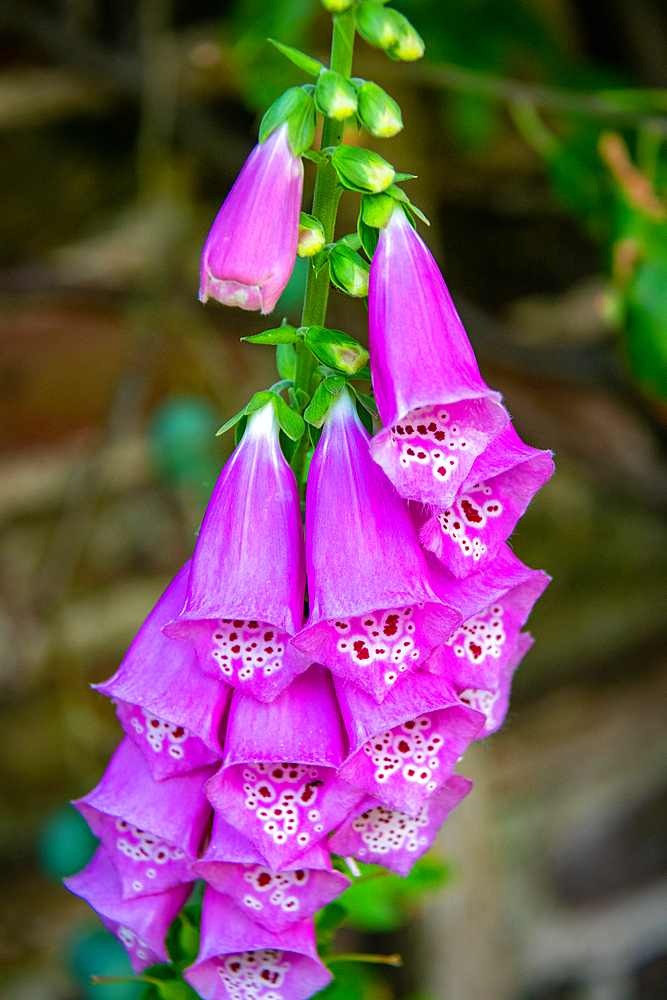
300 59
316 155
364 416
291 422
328 920
279 335
182 941
369 237
239 430
376 209
399 178
351 240
295 107
398 194
367 402
363 374
362 170
321 259
336 349
285 360
323 397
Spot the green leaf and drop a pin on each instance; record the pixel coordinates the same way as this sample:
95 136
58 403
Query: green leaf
290 421
280 335
328 920
315 155
336 349
285 360
351 240
385 902
182 941
323 397
309 65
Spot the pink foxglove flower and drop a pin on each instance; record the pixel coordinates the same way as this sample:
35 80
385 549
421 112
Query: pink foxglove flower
494 704
374 614
438 413
244 598
381 836
479 649
150 830
278 783
250 251
273 899
499 486
166 704
141 923
404 749
238 958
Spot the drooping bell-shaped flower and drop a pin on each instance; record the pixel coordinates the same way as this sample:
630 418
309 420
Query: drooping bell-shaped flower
150 830
274 899
241 960
374 614
404 749
501 483
381 836
278 783
478 650
438 413
166 704
250 251
494 704
141 923
245 592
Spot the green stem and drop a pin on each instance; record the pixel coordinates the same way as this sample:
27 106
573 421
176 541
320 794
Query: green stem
325 206
394 960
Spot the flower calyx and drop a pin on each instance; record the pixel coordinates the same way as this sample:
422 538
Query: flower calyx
362 170
387 29
289 421
335 96
296 107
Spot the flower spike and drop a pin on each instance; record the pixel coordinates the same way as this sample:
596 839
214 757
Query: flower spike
250 251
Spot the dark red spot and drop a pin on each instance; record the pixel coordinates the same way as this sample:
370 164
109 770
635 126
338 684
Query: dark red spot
369 622
439 435
253 624
234 966
269 976
411 771
154 723
268 636
441 470
307 794
399 429
232 636
238 623
403 746
299 876
178 732
277 773
432 426
470 512
410 725
475 649
268 649
361 650
218 635
421 454
409 429
263 879
265 792
421 428
457 525
236 649
410 451
391 625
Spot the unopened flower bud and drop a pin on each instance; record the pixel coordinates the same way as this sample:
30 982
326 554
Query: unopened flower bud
362 169
348 271
376 25
335 97
410 44
379 113
337 6
311 236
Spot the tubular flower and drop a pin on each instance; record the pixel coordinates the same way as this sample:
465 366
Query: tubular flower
381 836
166 704
238 958
274 899
374 614
244 596
438 413
150 830
278 783
250 251
140 923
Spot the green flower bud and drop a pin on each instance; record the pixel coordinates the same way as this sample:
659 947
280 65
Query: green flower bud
362 169
348 271
388 30
311 236
335 96
410 44
337 6
376 25
336 349
379 112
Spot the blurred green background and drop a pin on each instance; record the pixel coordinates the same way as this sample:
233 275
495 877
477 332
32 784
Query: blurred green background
537 129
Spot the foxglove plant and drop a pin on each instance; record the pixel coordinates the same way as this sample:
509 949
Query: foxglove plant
270 734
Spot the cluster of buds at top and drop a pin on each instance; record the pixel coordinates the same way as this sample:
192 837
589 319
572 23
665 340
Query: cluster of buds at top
260 744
